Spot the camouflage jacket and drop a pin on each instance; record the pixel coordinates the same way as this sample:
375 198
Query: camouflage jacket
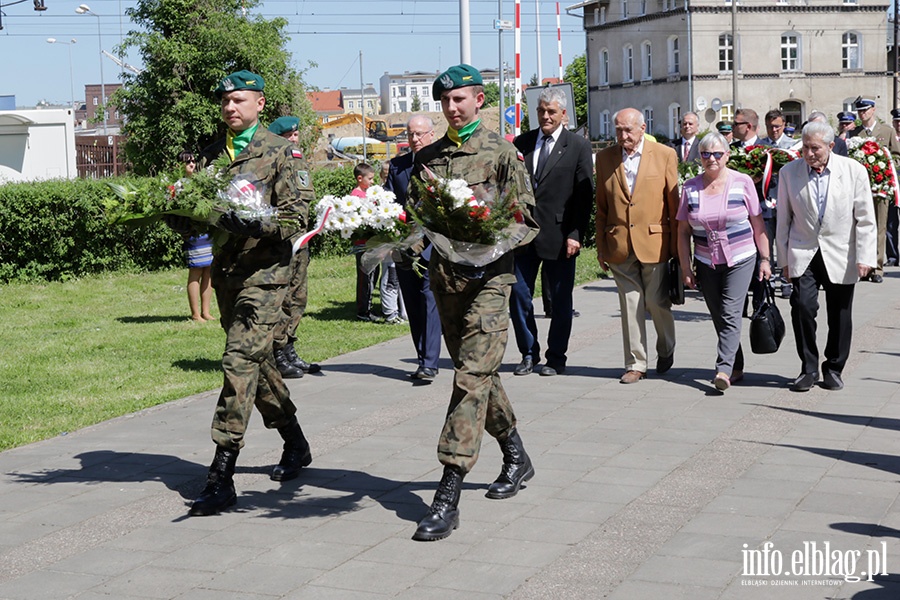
491 166
280 168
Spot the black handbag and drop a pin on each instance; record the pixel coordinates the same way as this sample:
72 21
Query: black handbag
676 282
766 325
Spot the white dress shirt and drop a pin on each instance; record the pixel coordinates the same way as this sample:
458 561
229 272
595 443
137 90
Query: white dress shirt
553 137
632 163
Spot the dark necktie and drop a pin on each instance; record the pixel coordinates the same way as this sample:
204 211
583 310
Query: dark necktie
542 158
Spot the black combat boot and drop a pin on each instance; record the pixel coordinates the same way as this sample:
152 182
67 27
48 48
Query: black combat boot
516 468
219 491
291 354
287 369
443 516
296 454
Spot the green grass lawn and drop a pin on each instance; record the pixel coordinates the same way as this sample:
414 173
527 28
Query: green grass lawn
80 352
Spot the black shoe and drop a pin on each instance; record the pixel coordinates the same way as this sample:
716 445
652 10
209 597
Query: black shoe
664 363
443 515
370 318
517 468
876 278
525 367
548 371
804 382
296 454
575 313
219 492
891 262
287 369
426 373
298 362
831 380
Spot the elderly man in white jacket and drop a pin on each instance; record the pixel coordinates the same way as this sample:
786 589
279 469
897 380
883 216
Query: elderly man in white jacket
826 230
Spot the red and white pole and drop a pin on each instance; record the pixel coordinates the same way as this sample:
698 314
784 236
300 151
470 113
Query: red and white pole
518 126
559 43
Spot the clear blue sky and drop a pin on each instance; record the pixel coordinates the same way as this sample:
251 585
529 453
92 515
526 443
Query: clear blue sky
393 36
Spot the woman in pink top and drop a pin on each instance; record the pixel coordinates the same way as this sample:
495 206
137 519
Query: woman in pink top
720 213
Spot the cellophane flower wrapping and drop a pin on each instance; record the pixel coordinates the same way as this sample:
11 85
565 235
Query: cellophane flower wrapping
878 164
377 222
464 229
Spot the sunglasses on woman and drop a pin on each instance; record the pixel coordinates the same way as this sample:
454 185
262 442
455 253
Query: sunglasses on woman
716 155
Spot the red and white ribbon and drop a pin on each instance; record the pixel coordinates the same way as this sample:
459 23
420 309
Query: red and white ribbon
304 239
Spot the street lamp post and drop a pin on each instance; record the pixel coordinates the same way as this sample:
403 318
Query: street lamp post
84 9
71 71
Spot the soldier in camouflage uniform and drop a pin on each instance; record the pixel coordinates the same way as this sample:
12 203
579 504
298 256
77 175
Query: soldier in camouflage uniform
251 274
473 304
289 364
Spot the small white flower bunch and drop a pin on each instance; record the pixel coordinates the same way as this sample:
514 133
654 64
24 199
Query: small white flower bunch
352 215
462 194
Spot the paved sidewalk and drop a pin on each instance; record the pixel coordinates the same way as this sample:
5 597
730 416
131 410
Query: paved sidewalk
662 490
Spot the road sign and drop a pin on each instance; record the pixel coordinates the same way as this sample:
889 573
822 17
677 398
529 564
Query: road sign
510 115
502 24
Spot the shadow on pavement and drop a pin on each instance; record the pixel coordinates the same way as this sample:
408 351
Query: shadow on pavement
200 365
295 499
864 420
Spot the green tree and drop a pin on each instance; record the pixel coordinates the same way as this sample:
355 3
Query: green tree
576 74
187 46
416 103
491 94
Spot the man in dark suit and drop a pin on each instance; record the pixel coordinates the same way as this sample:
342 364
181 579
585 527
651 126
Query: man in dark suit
559 164
687 147
424 322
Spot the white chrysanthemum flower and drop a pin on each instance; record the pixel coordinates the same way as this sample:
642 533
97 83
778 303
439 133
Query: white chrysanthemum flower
347 233
348 204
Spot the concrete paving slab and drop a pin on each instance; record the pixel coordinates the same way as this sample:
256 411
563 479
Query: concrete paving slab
642 491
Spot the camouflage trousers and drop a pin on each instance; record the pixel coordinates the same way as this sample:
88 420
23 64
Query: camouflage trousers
294 304
475 324
249 317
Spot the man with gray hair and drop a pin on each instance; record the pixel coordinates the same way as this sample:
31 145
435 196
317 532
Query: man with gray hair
637 200
559 164
840 146
827 237
424 322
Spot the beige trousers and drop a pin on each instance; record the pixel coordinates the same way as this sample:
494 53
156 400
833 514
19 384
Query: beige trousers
642 289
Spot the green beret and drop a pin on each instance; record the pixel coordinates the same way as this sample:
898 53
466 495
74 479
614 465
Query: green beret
455 77
283 125
240 80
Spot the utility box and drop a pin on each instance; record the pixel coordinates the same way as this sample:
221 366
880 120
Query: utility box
37 145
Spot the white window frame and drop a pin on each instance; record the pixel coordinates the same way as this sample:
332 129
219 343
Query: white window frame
604 124
674 113
791 40
846 46
726 45
646 61
674 55
627 63
624 7
604 66
648 119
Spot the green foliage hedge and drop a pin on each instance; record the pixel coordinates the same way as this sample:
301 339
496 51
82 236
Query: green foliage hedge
55 231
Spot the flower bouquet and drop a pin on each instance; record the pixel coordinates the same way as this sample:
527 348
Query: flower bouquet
376 222
464 229
760 162
877 161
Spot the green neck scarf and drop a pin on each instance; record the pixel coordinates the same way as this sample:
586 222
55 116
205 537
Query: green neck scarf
236 142
462 136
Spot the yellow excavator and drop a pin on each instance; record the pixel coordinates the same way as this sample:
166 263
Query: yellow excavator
375 128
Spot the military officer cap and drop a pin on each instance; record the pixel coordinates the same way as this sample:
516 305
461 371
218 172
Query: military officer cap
723 127
863 103
458 76
240 80
283 125
896 114
846 117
